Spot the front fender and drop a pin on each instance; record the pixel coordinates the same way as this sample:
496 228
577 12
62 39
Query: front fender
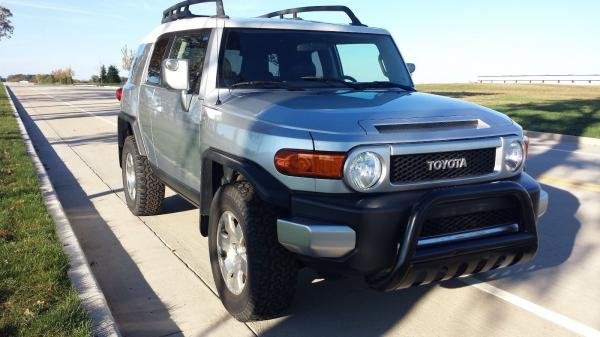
268 187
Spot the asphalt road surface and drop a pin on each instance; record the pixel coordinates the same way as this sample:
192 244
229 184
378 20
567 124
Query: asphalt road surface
155 271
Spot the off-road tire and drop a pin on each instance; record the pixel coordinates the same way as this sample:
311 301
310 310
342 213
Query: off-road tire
272 270
150 191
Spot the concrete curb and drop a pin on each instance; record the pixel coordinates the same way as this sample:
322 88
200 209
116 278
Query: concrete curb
555 137
79 272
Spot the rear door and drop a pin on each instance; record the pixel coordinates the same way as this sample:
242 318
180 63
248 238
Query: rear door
175 131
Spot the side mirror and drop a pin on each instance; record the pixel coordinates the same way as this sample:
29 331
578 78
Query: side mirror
176 74
411 67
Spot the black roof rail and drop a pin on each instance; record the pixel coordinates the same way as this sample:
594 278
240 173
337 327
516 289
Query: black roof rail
295 11
182 10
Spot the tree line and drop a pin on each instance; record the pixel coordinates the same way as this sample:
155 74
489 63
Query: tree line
108 75
58 76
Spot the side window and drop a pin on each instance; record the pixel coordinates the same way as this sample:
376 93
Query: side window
231 67
135 74
193 48
154 69
361 61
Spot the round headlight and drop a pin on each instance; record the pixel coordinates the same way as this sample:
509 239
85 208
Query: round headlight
514 156
364 171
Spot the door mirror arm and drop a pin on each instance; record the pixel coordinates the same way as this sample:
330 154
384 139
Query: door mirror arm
186 99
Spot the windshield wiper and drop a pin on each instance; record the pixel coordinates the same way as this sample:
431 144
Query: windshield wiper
384 84
330 80
263 84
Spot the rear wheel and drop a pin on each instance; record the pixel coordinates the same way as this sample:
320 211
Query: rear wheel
254 275
144 192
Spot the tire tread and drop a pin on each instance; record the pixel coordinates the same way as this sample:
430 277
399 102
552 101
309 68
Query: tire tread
150 191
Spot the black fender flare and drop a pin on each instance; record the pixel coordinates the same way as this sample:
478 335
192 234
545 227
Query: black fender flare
124 122
269 189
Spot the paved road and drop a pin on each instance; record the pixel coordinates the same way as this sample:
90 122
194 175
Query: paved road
156 275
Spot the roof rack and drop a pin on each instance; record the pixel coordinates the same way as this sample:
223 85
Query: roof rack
295 11
182 10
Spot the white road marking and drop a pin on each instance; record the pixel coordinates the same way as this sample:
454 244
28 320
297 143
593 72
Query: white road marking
80 109
547 314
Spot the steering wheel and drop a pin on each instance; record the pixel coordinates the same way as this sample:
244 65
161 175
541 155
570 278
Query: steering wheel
349 78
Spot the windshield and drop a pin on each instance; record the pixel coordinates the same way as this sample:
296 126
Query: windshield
260 58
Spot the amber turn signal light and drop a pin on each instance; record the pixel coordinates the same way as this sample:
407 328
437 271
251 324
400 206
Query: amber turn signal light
326 165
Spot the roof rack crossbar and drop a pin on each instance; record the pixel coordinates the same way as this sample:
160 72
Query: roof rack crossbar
182 10
295 11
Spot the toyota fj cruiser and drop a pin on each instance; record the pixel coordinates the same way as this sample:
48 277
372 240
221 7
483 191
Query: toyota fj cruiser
306 144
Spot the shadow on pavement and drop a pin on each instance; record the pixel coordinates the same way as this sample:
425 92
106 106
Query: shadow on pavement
118 275
344 307
176 204
557 230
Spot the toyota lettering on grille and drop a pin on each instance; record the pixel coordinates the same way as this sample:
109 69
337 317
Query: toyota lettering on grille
446 164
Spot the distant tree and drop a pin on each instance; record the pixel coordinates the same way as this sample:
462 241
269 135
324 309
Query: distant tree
44 79
127 58
103 78
6 27
63 76
95 79
112 75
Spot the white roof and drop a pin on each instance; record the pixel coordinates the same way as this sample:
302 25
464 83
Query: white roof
263 23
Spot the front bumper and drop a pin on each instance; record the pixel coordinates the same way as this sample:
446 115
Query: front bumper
379 235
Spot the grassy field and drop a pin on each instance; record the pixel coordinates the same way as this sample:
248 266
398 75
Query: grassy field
36 296
571 110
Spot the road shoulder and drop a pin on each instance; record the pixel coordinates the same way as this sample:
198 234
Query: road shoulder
79 271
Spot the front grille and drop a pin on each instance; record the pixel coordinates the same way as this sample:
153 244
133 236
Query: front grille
468 222
411 168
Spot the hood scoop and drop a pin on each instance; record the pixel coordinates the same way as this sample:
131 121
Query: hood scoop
467 124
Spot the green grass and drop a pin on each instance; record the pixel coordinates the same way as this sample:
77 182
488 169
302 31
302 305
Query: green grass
36 296
571 110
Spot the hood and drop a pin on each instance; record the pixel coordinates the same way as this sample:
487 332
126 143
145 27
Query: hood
369 115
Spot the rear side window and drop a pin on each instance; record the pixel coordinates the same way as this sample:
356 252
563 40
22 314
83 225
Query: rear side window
192 47
140 57
155 67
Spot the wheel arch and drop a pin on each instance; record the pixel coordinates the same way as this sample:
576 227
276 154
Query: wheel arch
128 126
219 168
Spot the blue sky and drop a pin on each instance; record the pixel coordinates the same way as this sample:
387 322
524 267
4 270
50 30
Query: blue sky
450 41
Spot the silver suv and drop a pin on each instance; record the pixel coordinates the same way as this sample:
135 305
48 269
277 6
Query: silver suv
305 144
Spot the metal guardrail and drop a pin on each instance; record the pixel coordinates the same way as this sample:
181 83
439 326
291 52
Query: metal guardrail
544 79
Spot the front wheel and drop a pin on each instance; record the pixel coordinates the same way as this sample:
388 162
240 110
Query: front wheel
144 192
254 275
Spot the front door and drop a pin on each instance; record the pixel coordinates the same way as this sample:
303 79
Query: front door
175 131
